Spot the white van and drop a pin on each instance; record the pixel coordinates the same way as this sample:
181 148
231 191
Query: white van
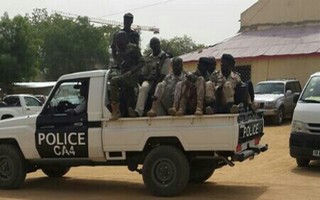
305 131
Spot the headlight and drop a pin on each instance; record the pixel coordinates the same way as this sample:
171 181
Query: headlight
298 126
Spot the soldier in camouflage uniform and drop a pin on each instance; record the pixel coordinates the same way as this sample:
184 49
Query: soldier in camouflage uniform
155 69
211 82
192 91
130 62
132 35
165 90
226 84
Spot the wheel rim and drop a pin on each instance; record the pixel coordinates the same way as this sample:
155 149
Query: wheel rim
164 172
5 168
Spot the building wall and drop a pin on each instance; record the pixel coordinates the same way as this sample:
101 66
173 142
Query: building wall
299 67
263 68
280 11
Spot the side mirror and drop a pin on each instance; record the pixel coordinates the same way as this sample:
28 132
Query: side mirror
296 97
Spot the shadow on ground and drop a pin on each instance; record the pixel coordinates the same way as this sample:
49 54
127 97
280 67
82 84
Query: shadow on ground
73 188
312 170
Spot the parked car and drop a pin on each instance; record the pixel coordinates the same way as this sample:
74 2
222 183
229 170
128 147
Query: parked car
275 98
19 105
305 128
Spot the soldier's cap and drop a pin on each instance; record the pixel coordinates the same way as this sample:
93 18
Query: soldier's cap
177 60
128 16
212 61
204 60
228 57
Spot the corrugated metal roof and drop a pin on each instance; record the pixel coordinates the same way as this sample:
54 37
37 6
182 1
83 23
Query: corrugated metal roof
276 41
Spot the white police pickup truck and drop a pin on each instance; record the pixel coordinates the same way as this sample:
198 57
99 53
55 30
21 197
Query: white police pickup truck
19 105
168 151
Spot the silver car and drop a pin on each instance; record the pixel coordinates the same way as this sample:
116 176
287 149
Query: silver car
275 98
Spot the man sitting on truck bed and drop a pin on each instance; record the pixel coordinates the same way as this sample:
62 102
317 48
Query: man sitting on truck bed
226 85
165 91
193 90
155 69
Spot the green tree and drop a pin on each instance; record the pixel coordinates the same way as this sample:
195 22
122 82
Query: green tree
17 50
177 46
70 45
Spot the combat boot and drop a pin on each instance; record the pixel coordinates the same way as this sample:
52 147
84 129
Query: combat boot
115 111
199 109
172 111
182 107
154 108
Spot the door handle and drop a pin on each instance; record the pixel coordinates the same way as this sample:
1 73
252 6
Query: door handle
78 124
27 108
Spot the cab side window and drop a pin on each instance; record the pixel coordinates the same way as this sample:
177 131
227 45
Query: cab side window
32 101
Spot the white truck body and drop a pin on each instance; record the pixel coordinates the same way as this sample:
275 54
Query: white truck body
25 105
48 139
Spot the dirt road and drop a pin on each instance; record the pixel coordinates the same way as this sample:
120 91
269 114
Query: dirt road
272 175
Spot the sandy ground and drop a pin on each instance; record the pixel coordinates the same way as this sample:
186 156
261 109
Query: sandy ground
271 175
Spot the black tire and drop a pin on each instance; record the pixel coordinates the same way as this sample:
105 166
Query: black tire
165 171
55 171
302 162
200 173
12 167
278 119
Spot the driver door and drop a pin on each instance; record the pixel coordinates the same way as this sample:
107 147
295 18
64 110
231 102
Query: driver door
58 134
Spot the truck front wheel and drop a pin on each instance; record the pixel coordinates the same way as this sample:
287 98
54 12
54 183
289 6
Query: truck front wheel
12 167
55 171
165 171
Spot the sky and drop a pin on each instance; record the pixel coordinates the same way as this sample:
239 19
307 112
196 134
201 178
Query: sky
204 21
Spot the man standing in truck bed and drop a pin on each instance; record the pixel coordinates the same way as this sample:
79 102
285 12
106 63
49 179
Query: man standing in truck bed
130 62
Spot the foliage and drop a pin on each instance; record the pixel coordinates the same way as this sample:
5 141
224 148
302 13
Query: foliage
17 50
71 46
177 46
51 45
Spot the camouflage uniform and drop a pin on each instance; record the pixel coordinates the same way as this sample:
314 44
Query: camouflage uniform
225 91
155 67
166 91
192 94
130 61
211 83
133 38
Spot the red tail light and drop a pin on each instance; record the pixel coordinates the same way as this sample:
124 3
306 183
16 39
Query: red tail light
257 141
239 148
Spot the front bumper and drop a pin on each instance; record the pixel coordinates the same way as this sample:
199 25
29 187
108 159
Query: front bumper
304 145
268 112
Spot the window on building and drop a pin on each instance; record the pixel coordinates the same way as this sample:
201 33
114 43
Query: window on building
244 71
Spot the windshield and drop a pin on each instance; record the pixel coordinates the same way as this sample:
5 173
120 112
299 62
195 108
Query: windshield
269 88
311 94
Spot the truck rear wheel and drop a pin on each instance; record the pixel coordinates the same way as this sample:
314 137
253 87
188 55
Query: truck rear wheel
165 171
199 174
302 162
55 171
12 167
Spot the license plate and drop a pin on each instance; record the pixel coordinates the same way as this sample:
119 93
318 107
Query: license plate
249 130
316 153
